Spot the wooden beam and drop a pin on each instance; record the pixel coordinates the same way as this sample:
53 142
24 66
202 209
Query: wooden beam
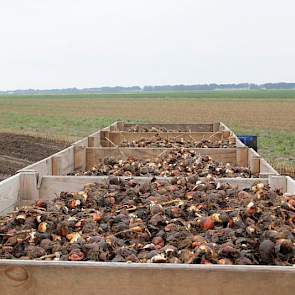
52 185
278 182
242 156
79 157
107 138
254 166
203 127
43 167
56 165
114 126
104 134
94 155
92 141
253 161
266 169
290 185
28 191
9 193
75 278
216 127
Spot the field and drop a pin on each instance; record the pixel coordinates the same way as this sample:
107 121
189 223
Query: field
18 151
268 114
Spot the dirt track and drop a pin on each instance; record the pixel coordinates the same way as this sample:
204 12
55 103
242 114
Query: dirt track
18 151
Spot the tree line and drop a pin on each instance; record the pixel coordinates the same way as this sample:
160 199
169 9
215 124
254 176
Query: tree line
157 88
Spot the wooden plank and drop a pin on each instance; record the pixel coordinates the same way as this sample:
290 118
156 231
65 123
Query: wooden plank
103 141
9 193
290 185
28 190
79 157
266 169
114 126
67 160
63 162
92 141
253 161
43 167
52 185
254 166
60 163
107 138
94 155
278 182
238 142
81 142
56 165
223 127
97 137
216 127
202 127
37 277
120 126
242 156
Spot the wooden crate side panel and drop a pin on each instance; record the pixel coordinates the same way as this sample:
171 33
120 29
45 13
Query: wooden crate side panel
118 126
114 126
52 186
113 278
43 167
117 137
290 185
63 162
28 191
204 127
278 182
79 157
110 127
94 155
223 127
266 169
81 142
238 142
93 139
9 193
242 156
253 161
216 127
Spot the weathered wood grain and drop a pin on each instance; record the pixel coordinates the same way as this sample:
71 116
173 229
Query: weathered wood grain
51 186
202 127
9 194
35 277
94 155
111 138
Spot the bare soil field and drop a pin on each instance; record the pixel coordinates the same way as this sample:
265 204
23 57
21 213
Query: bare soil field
18 151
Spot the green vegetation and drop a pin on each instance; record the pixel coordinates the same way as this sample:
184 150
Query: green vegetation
51 126
278 147
270 114
221 94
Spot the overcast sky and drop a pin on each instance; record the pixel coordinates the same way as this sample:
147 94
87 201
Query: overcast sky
68 43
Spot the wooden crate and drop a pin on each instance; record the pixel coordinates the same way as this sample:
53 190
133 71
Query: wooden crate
81 158
47 277
77 156
90 278
27 187
115 138
193 127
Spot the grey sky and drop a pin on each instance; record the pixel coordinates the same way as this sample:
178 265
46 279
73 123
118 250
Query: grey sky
63 43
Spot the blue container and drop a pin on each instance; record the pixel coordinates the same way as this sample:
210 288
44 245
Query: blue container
249 140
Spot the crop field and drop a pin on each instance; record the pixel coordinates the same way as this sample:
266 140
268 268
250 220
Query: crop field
268 114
